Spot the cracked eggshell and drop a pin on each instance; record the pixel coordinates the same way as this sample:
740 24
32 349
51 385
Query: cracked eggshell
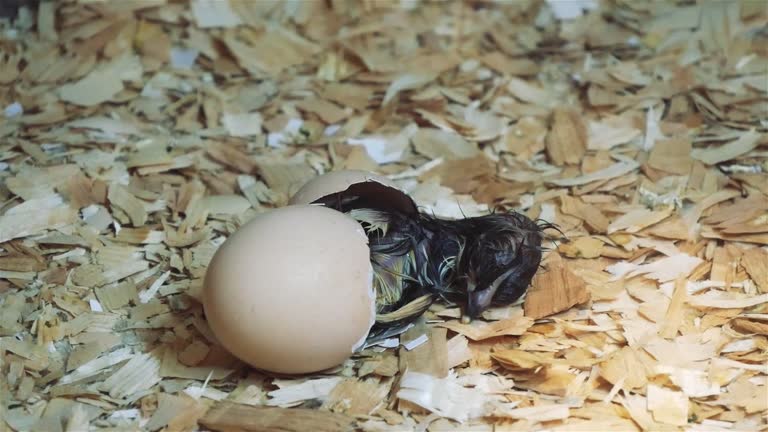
378 188
291 291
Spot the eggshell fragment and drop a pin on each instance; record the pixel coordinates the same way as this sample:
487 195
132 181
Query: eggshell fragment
291 290
355 182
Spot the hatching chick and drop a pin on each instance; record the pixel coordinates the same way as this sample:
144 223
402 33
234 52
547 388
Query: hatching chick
476 262
413 258
502 253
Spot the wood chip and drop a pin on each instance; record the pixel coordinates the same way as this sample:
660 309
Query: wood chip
125 201
755 261
667 406
674 316
436 144
431 357
230 416
176 412
35 216
356 398
590 214
140 373
625 166
625 369
554 290
672 156
480 330
442 396
567 141
733 149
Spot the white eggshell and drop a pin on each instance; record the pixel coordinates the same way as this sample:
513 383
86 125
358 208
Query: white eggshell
291 290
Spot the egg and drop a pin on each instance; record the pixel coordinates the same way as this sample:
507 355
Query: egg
291 290
379 190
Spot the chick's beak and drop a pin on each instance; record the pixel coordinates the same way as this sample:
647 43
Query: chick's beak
477 302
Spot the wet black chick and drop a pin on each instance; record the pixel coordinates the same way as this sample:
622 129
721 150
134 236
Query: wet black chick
502 252
476 262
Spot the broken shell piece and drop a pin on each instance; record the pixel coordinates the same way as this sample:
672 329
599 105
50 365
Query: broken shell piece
338 186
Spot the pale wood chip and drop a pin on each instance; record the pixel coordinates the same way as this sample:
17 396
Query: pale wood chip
636 220
721 265
623 167
99 86
626 368
541 413
693 382
230 416
672 156
458 351
94 275
62 411
21 263
726 300
567 140
146 310
91 321
407 81
637 407
36 354
431 357
554 290
744 144
509 66
443 396
89 351
194 353
760 238
356 398
209 13
582 247
143 235
270 51
97 365
610 133
285 177
436 143
242 124
755 262
176 412
663 269
224 204
388 367
591 215
125 201
113 297
140 373
526 138
35 216
294 392
674 316
479 330
171 367
33 182
328 112
667 406
153 154
528 92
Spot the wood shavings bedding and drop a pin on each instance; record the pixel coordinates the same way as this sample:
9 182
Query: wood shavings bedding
138 135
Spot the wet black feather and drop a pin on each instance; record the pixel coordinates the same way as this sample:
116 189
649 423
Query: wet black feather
490 259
